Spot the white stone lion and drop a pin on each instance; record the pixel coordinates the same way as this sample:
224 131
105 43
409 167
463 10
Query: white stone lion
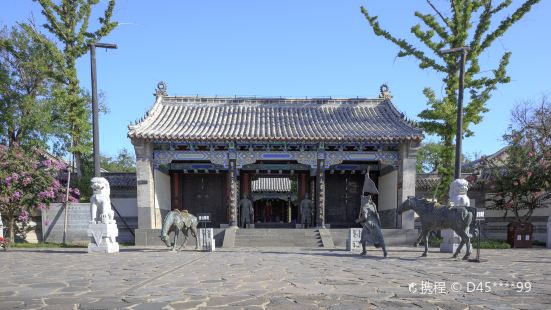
101 200
458 193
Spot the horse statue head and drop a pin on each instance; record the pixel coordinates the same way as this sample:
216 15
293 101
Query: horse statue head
407 205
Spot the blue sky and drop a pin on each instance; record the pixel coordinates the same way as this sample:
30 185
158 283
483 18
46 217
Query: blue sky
290 49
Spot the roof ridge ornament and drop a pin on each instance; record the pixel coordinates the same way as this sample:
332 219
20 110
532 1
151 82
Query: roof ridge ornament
161 89
385 92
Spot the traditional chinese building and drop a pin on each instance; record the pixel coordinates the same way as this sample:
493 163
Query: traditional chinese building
204 153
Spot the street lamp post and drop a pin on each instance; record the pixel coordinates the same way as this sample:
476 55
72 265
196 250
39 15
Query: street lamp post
459 133
95 109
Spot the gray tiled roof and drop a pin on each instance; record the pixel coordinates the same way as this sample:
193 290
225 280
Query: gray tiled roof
280 185
273 119
120 179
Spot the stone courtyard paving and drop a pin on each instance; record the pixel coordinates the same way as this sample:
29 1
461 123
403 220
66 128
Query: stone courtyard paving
272 278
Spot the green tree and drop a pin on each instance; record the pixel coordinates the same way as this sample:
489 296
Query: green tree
469 24
428 159
123 162
69 21
28 113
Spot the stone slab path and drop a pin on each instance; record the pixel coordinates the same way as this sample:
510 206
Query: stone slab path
272 278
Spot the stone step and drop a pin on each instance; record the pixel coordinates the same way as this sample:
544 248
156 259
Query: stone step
277 237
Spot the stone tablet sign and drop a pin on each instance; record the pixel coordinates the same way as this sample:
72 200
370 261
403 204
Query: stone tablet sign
53 220
206 239
353 241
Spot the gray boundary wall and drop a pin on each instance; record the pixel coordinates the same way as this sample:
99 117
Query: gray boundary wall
53 222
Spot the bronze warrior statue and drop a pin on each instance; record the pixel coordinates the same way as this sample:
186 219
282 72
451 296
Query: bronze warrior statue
306 209
369 218
246 210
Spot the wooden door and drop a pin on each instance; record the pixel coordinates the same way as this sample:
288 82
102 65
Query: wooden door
206 193
343 195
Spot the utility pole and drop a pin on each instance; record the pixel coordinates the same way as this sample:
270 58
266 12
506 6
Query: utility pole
459 132
95 108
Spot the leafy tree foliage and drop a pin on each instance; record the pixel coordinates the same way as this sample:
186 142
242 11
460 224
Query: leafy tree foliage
28 181
69 21
428 159
522 181
28 111
469 24
123 162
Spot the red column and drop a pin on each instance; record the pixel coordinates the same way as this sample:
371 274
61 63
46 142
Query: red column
175 191
302 185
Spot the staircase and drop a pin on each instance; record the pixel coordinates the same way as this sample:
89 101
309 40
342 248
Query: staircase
278 237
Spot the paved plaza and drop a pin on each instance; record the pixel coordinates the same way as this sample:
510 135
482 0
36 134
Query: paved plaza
272 278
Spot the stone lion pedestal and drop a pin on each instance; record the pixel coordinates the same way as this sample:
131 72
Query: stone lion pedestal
102 229
103 238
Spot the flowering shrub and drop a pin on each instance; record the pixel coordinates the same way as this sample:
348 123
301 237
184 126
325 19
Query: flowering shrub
4 243
28 182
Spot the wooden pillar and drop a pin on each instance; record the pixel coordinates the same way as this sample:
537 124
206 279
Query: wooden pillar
302 185
233 193
320 219
246 183
176 200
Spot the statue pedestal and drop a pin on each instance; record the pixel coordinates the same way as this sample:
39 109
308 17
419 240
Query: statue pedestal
206 239
549 233
103 238
450 241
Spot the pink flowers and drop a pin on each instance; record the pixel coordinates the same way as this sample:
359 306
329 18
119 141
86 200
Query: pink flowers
16 195
24 216
48 194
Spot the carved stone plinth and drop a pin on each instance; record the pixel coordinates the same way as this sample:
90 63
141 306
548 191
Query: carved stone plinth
450 241
206 239
353 241
103 238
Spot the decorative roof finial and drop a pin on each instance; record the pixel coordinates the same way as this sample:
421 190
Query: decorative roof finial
385 92
161 89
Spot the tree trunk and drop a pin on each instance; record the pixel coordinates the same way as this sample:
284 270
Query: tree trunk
11 229
78 166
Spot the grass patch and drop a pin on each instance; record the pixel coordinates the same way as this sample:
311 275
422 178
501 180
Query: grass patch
491 244
434 242
25 245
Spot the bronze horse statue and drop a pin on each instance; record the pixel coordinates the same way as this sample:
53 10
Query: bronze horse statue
177 221
436 217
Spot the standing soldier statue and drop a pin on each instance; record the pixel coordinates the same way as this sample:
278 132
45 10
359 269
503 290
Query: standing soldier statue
246 210
306 211
369 218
